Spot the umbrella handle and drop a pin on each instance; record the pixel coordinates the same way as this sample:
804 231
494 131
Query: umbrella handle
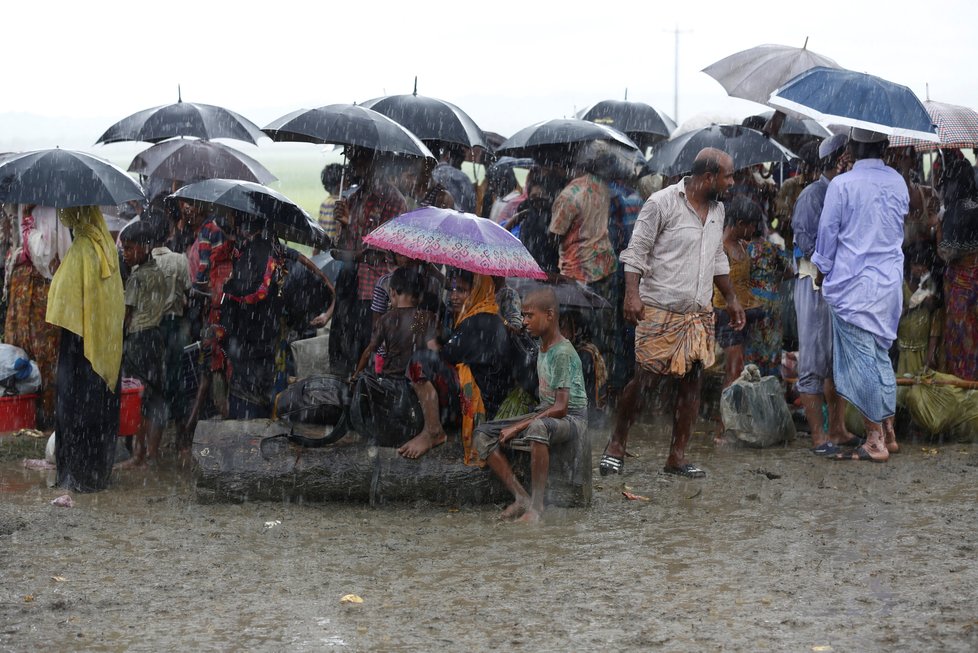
342 177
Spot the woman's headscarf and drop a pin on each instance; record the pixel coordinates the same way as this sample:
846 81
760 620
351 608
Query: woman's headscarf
86 294
482 299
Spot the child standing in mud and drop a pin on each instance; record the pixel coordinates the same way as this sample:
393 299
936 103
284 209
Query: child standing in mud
560 417
143 348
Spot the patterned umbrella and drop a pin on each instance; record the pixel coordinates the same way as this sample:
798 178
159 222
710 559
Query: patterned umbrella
461 240
957 127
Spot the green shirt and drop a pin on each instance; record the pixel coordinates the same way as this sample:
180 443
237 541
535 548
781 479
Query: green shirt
560 367
146 292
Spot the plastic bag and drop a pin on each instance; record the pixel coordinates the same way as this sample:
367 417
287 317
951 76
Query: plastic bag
311 356
19 375
316 400
385 410
753 409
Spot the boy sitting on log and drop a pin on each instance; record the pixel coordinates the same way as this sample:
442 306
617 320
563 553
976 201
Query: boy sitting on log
561 415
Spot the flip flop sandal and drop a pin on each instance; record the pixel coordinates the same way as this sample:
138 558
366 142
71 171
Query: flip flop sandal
856 441
610 465
859 453
828 448
688 471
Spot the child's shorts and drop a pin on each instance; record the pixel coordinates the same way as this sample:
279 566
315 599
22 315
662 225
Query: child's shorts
547 430
142 358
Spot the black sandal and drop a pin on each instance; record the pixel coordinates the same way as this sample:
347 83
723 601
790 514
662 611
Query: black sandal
611 464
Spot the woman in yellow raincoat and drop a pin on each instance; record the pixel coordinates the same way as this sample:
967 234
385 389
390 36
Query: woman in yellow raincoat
86 301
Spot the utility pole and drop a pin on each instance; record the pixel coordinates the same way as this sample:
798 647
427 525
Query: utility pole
675 90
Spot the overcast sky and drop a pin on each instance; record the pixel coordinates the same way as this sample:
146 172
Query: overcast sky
508 64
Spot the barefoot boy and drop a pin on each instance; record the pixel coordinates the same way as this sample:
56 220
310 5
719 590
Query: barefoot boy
143 349
561 415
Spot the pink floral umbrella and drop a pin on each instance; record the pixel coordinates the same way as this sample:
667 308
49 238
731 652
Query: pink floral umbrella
461 240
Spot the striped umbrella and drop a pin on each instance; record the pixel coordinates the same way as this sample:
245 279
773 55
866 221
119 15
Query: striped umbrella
957 127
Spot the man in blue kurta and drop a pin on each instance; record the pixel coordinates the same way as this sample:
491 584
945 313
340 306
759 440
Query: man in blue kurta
860 268
815 385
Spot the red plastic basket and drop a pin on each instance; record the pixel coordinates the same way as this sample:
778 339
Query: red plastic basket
130 406
18 412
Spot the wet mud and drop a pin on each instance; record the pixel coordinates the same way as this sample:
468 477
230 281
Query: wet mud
775 550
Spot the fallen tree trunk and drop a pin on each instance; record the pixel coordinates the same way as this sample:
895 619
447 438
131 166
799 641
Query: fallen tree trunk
243 461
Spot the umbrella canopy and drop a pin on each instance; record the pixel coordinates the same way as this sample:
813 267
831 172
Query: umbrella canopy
63 178
430 119
755 73
746 146
458 239
798 126
182 119
347 124
957 127
561 133
193 160
570 294
856 100
285 218
639 121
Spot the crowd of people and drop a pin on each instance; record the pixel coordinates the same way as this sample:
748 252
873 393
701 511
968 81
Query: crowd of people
833 272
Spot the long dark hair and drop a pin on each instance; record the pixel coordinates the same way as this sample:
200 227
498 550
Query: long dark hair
960 194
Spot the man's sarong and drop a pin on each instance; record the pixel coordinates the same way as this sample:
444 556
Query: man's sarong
671 343
862 371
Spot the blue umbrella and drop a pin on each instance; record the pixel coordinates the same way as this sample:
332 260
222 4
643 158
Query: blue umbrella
856 100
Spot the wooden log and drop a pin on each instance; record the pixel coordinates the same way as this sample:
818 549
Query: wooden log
243 461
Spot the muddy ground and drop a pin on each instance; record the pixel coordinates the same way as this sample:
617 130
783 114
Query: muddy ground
776 550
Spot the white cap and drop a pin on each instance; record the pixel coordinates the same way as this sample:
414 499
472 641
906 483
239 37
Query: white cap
866 136
830 145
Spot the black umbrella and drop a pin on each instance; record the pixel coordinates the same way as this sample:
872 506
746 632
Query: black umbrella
746 146
430 119
641 122
572 294
286 219
182 119
192 160
347 124
558 140
798 126
63 178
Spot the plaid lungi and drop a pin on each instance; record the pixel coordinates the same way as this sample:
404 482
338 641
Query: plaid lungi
671 343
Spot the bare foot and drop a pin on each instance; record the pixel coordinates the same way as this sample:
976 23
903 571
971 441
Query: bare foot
531 516
889 437
421 444
514 510
184 458
132 463
845 437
